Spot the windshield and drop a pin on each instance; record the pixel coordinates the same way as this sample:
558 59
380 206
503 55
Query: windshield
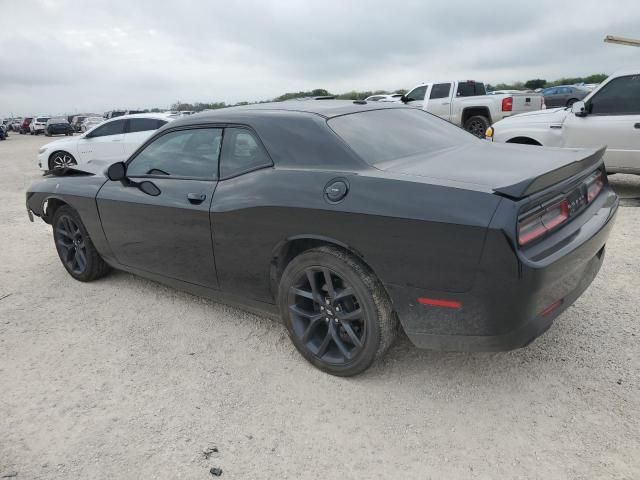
58 120
384 135
42 119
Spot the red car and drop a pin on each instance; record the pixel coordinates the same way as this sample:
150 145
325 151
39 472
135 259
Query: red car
24 127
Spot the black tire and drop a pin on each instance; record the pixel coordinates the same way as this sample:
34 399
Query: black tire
31 132
61 159
571 101
75 248
342 328
477 125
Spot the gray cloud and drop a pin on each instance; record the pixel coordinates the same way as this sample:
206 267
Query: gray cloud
63 56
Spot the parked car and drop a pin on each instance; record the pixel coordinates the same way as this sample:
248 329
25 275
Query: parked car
114 113
90 122
76 122
58 126
24 127
3 131
563 95
344 217
394 97
15 124
112 140
465 103
610 115
38 125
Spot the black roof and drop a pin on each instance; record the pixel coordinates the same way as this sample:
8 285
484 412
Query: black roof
322 108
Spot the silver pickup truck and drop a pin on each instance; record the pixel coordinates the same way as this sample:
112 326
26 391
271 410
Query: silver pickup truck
466 103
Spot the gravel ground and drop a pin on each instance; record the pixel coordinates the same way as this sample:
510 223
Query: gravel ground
124 378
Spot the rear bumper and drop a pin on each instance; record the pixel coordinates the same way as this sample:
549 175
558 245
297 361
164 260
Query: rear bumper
512 301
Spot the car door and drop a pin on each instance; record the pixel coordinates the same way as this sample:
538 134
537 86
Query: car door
415 97
551 97
138 131
104 143
244 166
439 102
168 234
613 119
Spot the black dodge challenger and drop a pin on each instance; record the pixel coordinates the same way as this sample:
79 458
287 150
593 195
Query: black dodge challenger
344 218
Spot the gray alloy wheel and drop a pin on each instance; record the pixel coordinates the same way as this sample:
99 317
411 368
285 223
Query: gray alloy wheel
336 311
61 160
75 248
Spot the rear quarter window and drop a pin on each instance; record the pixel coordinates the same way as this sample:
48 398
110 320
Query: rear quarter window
379 136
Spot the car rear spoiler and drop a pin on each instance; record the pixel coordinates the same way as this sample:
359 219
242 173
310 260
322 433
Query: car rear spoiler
533 185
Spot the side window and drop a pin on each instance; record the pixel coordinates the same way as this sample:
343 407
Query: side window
112 128
620 96
184 153
549 91
241 152
440 90
417 93
144 124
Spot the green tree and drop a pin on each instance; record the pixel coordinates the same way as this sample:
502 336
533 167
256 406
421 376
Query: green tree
535 83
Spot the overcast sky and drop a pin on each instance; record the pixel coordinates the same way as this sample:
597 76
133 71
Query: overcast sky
61 56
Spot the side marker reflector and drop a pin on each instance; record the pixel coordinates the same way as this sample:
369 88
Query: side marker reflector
551 308
434 302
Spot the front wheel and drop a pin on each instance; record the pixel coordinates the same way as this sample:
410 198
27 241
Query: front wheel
477 125
336 311
61 160
75 248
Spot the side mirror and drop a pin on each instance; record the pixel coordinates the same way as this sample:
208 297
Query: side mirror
404 99
579 109
117 172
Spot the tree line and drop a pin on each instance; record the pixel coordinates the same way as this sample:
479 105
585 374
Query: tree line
361 95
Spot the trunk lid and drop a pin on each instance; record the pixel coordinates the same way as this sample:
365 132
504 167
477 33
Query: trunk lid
514 171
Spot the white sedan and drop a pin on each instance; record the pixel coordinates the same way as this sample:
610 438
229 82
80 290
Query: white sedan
610 115
113 140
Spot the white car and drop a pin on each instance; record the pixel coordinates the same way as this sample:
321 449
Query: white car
111 141
38 125
610 115
90 122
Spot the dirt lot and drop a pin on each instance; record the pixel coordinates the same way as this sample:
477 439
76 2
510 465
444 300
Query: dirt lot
126 379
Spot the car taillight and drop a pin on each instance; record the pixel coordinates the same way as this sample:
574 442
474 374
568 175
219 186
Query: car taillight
542 222
544 218
507 104
595 183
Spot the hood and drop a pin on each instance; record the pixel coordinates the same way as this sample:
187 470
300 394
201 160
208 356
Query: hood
552 115
61 141
507 169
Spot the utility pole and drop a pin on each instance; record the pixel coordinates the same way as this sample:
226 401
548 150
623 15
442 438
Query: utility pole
630 42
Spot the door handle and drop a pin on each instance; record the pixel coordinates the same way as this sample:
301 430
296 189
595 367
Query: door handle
446 103
196 198
116 140
637 125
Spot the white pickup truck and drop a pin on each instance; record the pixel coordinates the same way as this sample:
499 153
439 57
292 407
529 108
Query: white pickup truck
467 104
609 115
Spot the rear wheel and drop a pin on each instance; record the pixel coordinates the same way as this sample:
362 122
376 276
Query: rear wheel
571 101
336 311
75 248
61 159
477 125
